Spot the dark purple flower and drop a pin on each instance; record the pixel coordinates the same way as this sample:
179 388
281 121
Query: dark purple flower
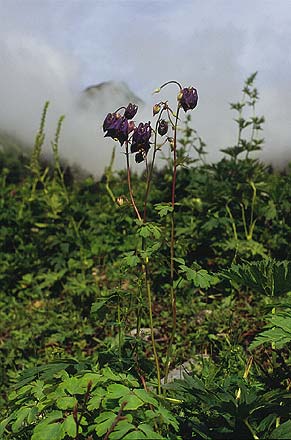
130 111
116 127
140 142
163 127
141 137
188 98
142 154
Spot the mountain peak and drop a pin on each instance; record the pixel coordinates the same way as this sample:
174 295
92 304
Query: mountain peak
117 93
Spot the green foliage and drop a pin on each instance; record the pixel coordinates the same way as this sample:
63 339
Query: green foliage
68 401
268 277
277 332
218 407
85 286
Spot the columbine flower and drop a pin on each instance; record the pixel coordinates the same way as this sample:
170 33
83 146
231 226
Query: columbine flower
116 127
188 98
142 154
162 127
140 143
130 111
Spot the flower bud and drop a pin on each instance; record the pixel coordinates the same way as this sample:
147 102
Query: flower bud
120 200
162 127
171 142
156 109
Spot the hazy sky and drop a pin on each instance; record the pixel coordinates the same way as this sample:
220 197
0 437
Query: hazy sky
52 49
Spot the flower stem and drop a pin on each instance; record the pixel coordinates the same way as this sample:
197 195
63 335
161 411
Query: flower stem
171 82
129 183
172 255
151 168
150 306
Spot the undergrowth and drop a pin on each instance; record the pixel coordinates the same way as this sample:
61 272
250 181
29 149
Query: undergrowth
107 286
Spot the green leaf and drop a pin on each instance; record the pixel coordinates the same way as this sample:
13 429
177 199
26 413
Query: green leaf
122 428
51 417
73 385
48 432
148 230
21 416
282 432
278 331
148 430
38 389
164 209
131 259
133 402
66 402
134 435
96 399
269 277
69 426
200 278
145 397
116 390
104 422
165 415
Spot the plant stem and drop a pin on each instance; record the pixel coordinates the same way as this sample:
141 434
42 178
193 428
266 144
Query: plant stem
117 419
129 183
254 435
119 327
149 295
172 254
108 174
151 167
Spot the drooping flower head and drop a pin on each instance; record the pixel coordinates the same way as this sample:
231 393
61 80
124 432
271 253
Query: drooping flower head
116 127
188 98
142 154
140 142
130 111
162 127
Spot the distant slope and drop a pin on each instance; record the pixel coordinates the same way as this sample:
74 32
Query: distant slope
113 93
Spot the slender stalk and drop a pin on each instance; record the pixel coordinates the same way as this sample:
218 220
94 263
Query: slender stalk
170 82
108 174
149 296
129 183
175 159
117 419
151 168
172 254
252 221
254 435
119 327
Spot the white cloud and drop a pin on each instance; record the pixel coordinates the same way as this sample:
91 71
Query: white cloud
52 49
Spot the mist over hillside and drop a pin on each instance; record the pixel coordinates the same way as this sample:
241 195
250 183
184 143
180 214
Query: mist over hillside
53 50
32 72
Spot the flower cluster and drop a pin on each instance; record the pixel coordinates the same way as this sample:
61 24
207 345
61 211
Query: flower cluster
118 127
